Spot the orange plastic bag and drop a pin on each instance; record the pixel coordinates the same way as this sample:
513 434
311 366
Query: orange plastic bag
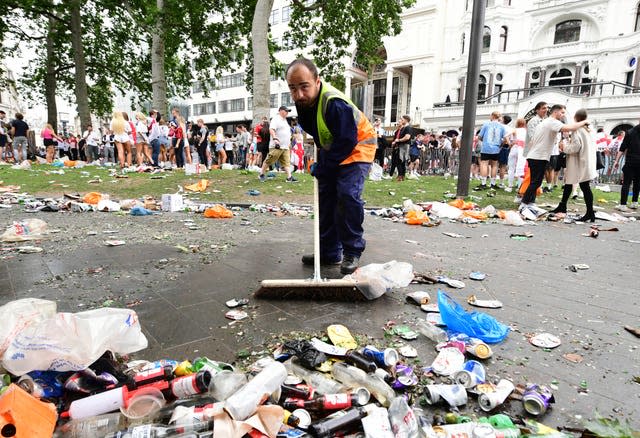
200 186
475 215
417 217
218 212
92 198
461 204
25 414
70 163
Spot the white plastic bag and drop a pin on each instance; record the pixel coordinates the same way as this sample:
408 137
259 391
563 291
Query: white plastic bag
73 341
18 314
513 218
30 229
375 279
447 211
108 205
376 172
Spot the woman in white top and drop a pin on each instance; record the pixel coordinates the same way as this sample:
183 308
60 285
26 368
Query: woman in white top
222 155
121 129
516 159
143 149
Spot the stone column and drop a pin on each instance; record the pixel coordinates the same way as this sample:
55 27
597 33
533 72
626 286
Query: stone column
636 76
577 78
543 75
388 95
462 85
347 83
490 86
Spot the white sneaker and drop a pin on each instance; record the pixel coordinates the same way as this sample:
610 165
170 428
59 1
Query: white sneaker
508 189
622 207
633 205
517 199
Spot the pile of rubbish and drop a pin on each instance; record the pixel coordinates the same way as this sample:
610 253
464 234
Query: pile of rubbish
430 214
68 375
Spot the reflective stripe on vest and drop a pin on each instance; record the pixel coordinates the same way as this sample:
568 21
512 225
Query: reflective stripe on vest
365 149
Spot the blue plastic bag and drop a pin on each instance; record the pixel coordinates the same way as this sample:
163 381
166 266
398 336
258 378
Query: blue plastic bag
140 211
475 324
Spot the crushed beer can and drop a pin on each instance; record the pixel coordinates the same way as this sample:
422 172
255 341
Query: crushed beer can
490 400
454 395
471 374
537 398
386 358
405 377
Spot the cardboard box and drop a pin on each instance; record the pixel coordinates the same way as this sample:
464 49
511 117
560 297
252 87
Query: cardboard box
172 203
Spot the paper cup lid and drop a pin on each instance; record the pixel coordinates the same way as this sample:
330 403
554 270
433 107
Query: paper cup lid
304 417
545 340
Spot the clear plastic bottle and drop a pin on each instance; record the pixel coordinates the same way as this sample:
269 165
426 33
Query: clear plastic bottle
318 381
242 404
161 430
403 420
91 427
432 331
354 377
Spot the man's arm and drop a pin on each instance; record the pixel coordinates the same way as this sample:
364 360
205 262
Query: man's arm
573 126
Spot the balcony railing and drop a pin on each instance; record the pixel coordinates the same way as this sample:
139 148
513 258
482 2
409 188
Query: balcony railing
590 89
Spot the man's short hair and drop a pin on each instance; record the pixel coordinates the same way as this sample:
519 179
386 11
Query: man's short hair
557 107
407 118
19 116
506 119
2 112
496 115
303 61
539 105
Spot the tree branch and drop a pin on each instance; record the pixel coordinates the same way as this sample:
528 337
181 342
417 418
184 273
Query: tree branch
300 4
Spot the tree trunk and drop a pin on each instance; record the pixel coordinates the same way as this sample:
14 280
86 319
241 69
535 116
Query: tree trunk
81 89
158 80
50 77
261 64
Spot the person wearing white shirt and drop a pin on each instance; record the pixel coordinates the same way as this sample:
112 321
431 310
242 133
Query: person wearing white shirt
279 145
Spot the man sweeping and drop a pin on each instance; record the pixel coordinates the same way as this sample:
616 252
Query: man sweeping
347 146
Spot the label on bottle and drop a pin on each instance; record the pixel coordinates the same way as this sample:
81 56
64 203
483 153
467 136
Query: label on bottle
337 401
144 431
185 386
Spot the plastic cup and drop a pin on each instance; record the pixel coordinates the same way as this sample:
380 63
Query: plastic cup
145 403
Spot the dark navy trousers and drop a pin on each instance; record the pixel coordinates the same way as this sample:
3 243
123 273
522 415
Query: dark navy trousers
342 210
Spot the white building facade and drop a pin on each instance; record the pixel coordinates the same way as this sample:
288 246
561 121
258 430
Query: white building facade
580 53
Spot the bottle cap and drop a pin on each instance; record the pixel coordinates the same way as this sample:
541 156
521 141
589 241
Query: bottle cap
304 417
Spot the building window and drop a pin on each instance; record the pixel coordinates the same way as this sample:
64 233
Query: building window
285 99
196 87
273 101
561 77
231 81
274 18
286 14
497 88
231 105
486 39
504 31
211 108
250 103
567 31
462 43
379 95
482 87
637 26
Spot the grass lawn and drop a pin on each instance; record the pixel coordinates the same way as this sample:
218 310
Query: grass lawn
232 186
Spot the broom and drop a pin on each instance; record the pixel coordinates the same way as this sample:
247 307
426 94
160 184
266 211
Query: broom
315 288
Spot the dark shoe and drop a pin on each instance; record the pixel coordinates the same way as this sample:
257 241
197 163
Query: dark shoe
480 187
589 217
291 179
349 264
308 259
262 178
561 208
494 187
545 190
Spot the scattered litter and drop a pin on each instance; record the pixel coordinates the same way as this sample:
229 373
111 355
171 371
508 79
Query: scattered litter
236 315
218 212
454 235
479 276
521 236
418 297
29 249
253 192
489 304
114 242
451 282
545 340
237 302
573 357
408 351
578 267
635 331
431 307
30 229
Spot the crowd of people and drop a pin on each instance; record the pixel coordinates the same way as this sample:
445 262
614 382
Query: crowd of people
501 151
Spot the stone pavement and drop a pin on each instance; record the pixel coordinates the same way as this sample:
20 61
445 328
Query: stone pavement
180 296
